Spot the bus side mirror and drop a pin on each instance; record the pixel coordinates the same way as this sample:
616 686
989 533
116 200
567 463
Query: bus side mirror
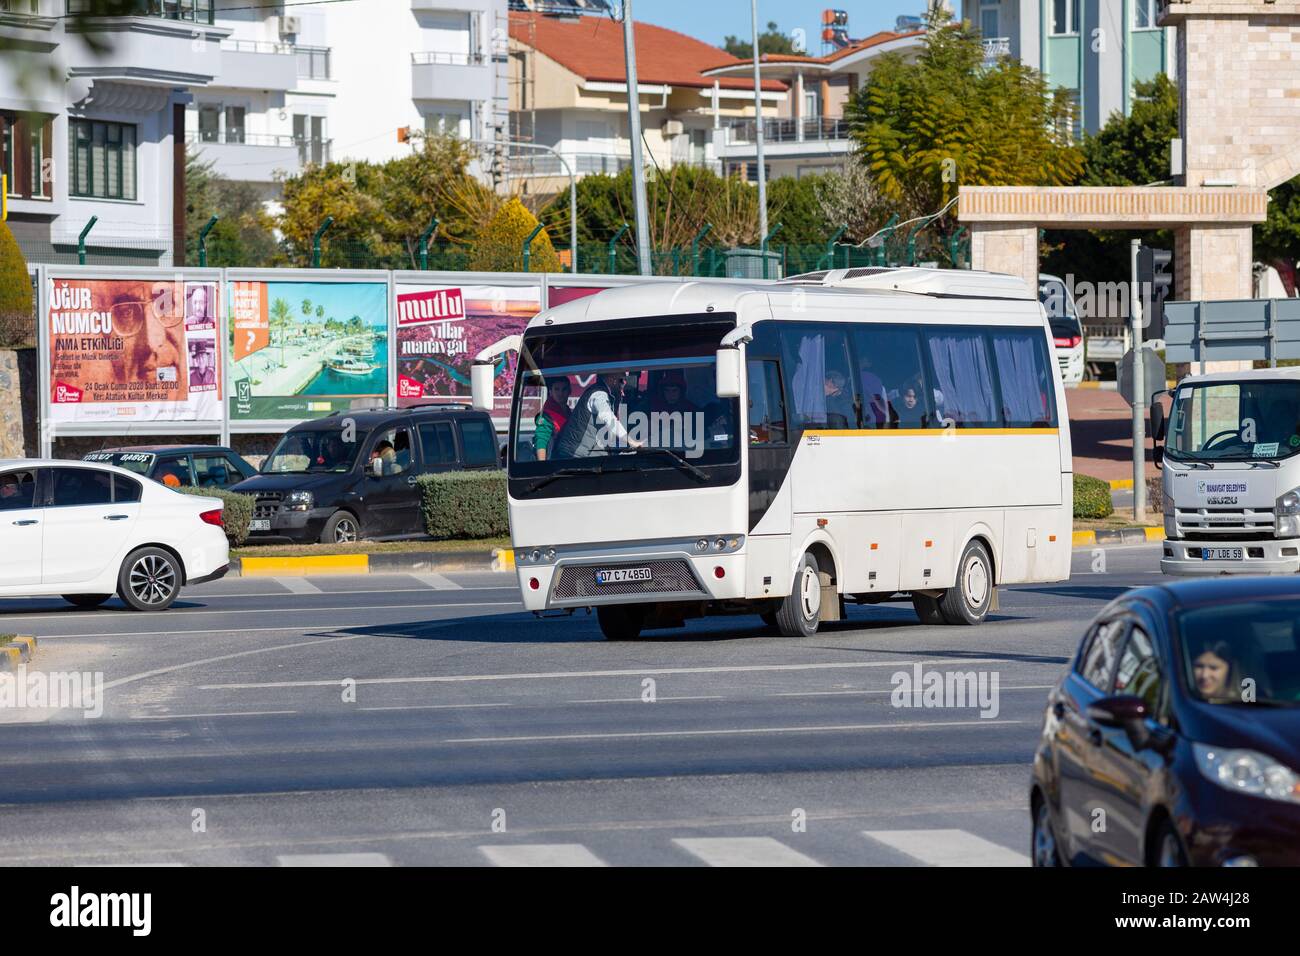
728 373
481 376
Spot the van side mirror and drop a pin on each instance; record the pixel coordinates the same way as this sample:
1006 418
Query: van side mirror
377 467
481 376
728 373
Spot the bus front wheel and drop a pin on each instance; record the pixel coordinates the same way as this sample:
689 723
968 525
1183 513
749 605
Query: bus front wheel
800 611
621 622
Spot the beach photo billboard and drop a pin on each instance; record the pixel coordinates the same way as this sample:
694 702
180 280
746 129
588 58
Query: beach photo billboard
303 349
133 350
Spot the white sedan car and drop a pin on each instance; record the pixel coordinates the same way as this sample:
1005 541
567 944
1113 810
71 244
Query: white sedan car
87 531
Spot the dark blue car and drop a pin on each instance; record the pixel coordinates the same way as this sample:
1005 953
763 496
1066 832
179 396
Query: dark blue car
1174 738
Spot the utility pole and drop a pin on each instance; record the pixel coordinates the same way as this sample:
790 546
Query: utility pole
634 133
1139 393
758 130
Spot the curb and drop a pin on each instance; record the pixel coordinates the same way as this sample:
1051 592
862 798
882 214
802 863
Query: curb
401 562
1118 483
1083 539
17 652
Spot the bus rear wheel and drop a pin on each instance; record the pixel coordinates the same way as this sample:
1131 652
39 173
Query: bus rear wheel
969 599
800 611
621 622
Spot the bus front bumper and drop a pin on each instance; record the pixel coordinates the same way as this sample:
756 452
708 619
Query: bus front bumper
1273 556
589 576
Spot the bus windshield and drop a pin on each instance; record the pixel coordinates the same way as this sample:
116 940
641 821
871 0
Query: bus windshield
1235 421
597 398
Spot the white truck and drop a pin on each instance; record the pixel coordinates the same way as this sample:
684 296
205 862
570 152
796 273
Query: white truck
1231 473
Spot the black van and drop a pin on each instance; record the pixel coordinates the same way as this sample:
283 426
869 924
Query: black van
353 474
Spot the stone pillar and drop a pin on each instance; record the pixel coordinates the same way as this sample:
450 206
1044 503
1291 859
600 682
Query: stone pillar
1010 247
1212 262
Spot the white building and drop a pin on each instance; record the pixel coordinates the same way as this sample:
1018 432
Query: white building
87 134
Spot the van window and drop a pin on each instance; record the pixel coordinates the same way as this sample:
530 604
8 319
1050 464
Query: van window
437 444
1024 378
766 406
963 378
892 378
480 443
822 388
393 448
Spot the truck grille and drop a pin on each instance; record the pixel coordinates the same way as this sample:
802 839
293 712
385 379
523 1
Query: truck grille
1208 523
668 576
267 504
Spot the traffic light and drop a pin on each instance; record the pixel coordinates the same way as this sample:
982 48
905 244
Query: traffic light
1155 280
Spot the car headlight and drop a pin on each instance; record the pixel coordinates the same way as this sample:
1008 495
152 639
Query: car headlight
299 501
1288 504
1248 771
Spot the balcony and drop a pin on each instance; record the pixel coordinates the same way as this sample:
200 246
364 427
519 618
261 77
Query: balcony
256 65
810 128
536 164
189 11
256 157
450 76
153 48
995 48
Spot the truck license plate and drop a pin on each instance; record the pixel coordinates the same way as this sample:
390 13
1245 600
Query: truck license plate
621 575
1221 554
260 524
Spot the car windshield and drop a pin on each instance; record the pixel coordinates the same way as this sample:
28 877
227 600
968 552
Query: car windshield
137 461
646 397
1235 421
1243 652
1061 314
314 450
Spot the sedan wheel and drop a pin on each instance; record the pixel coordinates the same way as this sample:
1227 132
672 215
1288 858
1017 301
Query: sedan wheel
149 580
1045 852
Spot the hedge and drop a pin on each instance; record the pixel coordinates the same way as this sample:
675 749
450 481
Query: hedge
236 512
1092 498
464 504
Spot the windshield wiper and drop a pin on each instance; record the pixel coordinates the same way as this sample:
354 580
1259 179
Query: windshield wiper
571 473
677 459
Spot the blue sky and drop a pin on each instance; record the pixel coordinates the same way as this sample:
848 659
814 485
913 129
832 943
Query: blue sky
712 20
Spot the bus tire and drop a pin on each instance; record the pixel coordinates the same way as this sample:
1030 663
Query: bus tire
800 611
969 599
769 618
927 609
621 622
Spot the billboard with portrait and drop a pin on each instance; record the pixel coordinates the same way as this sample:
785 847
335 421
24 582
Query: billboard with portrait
135 350
304 349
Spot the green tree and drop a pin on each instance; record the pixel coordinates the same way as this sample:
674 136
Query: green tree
947 119
794 203
1277 240
770 41
500 246
243 236
17 326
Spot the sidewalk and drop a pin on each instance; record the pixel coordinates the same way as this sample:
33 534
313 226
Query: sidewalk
1101 433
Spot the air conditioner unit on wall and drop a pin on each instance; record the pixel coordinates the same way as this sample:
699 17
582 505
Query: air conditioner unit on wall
673 127
289 26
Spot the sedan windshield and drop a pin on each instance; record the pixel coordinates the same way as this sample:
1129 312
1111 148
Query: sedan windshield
1235 421
313 450
1243 652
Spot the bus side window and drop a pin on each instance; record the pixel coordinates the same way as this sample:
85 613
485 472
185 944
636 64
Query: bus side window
963 378
766 407
1024 378
892 378
823 392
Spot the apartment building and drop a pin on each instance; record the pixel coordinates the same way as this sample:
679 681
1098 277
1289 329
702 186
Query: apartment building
809 133
94 131
1096 48
568 91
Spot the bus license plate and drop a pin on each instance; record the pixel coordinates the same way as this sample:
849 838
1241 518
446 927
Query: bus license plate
260 524
621 575
1221 554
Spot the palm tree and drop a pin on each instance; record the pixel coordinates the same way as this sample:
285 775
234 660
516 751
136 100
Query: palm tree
280 311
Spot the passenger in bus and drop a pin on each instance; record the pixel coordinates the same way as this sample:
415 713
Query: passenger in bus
670 395
873 390
553 415
839 405
908 409
593 426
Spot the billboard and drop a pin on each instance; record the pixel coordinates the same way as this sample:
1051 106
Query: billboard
305 349
440 328
560 294
133 350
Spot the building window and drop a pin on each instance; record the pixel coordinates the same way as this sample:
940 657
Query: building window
25 141
313 62
194 11
103 159
1145 13
989 25
309 135
1065 17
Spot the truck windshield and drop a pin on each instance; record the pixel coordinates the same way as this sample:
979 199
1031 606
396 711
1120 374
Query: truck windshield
595 399
1061 314
1235 421
313 450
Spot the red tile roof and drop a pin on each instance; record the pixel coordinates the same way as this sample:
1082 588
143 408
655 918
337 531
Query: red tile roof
884 36
592 47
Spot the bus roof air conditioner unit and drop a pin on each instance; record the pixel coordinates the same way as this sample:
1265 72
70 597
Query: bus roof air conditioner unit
937 282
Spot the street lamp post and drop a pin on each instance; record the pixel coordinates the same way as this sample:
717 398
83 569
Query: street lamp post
634 134
758 126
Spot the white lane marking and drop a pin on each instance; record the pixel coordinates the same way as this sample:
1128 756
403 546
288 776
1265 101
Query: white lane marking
116 865
841 693
561 675
541 854
215 595
298 585
435 706
744 851
186 632
828 728
947 847
334 859
638 700
437 581
229 713
224 657
191 612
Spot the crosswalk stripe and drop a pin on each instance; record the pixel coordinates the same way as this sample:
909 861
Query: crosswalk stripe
947 847
298 585
541 854
334 859
744 851
437 581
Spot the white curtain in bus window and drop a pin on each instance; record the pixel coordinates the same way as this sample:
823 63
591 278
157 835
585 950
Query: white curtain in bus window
964 379
810 380
1022 376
